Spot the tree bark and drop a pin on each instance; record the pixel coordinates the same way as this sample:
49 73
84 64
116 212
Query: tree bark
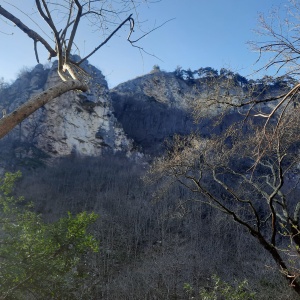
8 122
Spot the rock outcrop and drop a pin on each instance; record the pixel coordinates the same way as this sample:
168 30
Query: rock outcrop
135 117
154 107
162 87
78 123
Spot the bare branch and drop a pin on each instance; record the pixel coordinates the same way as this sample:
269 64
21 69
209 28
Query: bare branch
32 34
128 19
47 17
8 122
74 29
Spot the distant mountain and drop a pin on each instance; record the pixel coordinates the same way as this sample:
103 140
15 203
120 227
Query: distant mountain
147 248
136 117
154 107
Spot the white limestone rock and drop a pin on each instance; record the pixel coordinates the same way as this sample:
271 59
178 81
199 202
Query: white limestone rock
81 123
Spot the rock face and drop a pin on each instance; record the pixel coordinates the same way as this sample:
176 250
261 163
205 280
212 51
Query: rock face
154 107
135 117
78 123
162 87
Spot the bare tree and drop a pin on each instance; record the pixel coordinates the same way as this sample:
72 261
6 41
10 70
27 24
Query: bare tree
278 45
64 19
250 173
219 171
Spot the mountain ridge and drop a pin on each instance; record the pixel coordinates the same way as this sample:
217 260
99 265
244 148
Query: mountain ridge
134 118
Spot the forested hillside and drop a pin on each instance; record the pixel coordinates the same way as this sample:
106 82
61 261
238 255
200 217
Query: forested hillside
154 242
178 184
148 247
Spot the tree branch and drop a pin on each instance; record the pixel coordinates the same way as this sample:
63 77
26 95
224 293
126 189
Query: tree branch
128 19
74 29
31 33
8 122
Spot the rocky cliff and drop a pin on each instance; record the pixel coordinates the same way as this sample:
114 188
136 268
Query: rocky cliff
78 123
135 117
154 107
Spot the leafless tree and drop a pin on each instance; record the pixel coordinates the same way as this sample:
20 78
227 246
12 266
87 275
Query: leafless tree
147 248
262 199
269 99
64 19
250 173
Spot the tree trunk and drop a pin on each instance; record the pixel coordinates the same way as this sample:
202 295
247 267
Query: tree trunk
291 278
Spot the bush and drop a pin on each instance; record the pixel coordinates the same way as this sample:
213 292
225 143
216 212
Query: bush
38 258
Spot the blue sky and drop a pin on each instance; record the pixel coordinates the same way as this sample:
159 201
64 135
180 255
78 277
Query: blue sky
203 33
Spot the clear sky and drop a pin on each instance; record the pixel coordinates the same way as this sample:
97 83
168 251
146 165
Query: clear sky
203 33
